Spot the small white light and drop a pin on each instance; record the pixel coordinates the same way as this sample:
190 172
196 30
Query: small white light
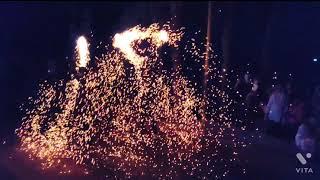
315 60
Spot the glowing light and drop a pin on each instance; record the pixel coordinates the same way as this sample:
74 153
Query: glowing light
109 117
157 37
124 42
83 52
163 36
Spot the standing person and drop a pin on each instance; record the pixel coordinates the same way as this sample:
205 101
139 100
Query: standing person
253 97
275 110
242 88
309 131
306 137
294 117
243 85
253 103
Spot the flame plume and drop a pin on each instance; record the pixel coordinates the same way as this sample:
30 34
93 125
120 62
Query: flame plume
119 119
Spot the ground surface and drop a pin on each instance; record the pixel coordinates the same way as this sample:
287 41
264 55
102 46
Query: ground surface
267 158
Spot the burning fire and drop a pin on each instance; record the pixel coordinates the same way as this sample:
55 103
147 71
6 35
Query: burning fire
109 118
125 41
83 53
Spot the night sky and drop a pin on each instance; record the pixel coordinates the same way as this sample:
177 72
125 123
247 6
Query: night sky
32 34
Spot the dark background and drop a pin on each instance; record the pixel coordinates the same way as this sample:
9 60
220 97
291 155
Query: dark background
35 37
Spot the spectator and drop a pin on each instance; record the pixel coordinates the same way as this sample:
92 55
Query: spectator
275 110
295 113
294 117
252 99
305 138
309 131
253 104
243 86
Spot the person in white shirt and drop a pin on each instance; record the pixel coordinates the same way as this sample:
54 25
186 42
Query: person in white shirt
305 137
275 110
309 131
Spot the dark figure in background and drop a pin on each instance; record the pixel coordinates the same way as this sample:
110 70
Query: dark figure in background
291 95
253 104
289 90
252 99
243 85
308 134
241 89
306 137
294 117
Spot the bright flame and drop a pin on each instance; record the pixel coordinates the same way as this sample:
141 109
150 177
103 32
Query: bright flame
125 41
110 118
83 52
163 36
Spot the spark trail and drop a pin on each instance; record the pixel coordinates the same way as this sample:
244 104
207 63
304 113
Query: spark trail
131 120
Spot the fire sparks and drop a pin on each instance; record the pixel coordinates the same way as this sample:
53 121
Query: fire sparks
134 121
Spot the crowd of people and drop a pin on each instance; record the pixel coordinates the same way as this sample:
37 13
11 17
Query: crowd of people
287 113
